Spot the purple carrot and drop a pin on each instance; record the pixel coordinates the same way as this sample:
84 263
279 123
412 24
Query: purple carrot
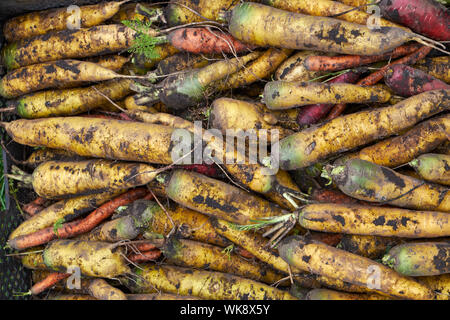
313 113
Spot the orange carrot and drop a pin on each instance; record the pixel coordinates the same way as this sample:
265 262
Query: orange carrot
48 282
373 78
71 229
206 41
34 206
336 63
145 256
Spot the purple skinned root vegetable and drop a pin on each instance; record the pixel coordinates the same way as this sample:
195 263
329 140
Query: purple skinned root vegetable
407 81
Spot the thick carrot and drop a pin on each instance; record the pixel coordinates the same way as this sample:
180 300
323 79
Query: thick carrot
313 113
311 145
181 91
293 68
71 178
377 221
83 43
110 139
406 81
261 68
72 229
204 284
206 41
376 76
336 63
63 211
48 282
35 206
216 198
367 181
102 290
41 22
438 67
63 102
325 260
327 8
433 167
54 74
427 17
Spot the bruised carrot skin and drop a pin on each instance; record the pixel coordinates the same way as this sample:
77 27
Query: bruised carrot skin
407 81
336 63
74 228
206 41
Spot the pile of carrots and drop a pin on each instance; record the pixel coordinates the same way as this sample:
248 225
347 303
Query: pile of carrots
358 210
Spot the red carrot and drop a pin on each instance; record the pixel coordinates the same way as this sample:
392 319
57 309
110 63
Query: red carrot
206 41
336 63
145 256
376 76
74 228
313 113
209 170
427 17
406 81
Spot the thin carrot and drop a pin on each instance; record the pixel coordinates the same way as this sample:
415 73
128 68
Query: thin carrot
74 228
206 41
342 62
145 256
376 76
34 206
48 282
